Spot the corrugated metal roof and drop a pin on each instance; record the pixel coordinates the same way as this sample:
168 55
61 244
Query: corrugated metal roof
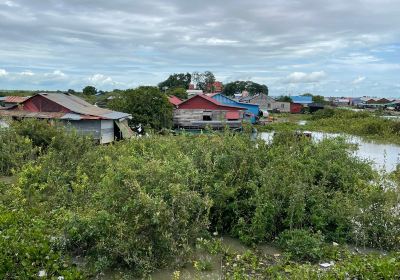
302 99
174 100
213 101
27 114
14 99
80 107
46 115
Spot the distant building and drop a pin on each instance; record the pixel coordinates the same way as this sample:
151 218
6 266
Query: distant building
73 112
201 111
342 101
267 103
193 92
299 103
215 87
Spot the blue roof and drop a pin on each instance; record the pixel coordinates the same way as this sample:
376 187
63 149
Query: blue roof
302 99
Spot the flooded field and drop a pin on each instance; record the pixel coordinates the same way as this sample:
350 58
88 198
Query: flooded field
383 156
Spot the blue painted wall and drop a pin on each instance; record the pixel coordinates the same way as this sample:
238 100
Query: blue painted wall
252 109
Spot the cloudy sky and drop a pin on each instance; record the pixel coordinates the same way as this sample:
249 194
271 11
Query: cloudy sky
336 48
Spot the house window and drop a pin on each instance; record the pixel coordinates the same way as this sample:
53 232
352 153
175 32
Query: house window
207 116
269 105
282 106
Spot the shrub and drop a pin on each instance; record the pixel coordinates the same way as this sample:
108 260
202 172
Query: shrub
15 150
301 244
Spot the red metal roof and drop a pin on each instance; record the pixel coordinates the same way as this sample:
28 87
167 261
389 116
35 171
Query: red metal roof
15 99
212 100
174 100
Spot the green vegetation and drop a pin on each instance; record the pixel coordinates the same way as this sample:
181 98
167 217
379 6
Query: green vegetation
178 92
89 90
147 105
346 265
365 124
238 86
180 80
143 204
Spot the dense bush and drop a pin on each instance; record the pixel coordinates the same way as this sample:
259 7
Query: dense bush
40 133
26 249
141 204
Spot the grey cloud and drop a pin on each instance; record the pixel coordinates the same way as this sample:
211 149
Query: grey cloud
138 42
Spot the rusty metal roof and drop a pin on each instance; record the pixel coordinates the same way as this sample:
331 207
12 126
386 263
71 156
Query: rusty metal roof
14 99
80 106
80 109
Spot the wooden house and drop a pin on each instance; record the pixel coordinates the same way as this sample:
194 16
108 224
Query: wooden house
201 111
103 125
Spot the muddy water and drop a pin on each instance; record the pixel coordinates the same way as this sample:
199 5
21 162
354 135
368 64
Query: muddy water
384 157
187 272
231 244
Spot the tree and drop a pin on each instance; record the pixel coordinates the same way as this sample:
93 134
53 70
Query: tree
319 99
178 92
180 80
316 98
204 81
239 86
71 91
284 98
147 105
89 90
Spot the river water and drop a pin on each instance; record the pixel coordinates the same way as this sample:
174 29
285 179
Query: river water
383 157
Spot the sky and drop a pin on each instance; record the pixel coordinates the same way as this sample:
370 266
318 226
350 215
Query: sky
332 48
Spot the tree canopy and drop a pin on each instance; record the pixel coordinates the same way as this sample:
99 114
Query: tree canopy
284 98
180 80
178 92
89 90
204 81
147 105
316 98
239 86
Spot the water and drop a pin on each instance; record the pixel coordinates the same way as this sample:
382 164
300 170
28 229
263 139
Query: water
188 272
383 156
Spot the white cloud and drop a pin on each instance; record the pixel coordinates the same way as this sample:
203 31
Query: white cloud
11 4
56 74
100 79
301 77
27 73
358 80
216 41
3 73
